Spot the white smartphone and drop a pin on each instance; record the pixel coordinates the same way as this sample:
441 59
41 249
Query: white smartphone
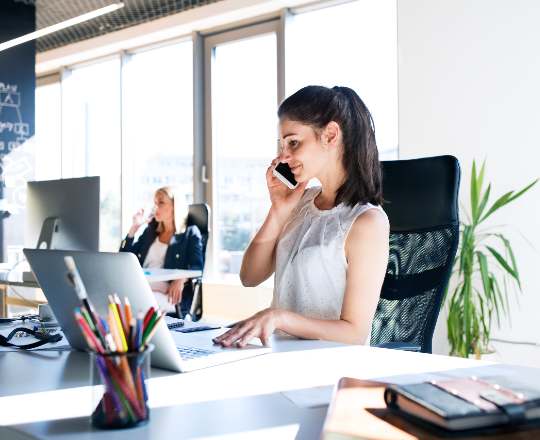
283 172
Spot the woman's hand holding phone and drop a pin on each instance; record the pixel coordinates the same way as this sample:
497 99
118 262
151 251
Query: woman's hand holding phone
283 199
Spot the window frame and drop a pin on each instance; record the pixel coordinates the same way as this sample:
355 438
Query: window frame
273 25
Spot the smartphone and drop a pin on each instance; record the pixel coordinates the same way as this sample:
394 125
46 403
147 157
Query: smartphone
283 172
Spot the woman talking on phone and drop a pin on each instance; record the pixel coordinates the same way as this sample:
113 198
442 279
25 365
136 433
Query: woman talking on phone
327 245
166 243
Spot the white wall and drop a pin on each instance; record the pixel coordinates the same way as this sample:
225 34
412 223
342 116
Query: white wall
469 85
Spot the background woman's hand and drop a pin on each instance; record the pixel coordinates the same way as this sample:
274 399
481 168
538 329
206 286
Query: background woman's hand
137 221
174 292
261 325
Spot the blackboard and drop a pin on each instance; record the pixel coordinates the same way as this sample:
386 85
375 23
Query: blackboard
17 89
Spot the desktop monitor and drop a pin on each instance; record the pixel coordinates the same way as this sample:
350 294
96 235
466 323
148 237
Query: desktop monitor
63 214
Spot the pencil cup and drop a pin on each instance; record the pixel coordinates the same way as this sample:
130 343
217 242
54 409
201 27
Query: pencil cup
119 389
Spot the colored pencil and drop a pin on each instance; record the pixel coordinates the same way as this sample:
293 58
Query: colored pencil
151 331
121 314
150 323
106 377
119 326
96 344
147 317
129 394
86 316
114 332
139 330
127 311
139 385
132 335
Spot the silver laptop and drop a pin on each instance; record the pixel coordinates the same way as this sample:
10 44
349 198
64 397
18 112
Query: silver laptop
105 273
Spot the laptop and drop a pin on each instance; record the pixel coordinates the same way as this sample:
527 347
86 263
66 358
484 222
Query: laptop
104 273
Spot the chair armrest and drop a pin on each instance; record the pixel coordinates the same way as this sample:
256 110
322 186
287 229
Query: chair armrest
406 346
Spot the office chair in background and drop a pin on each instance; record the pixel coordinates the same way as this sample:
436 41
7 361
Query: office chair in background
421 201
199 215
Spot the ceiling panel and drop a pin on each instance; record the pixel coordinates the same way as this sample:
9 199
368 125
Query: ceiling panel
49 12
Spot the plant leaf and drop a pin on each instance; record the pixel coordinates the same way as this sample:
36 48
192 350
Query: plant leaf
523 191
501 201
480 179
482 205
503 263
510 252
500 300
484 272
474 191
507 198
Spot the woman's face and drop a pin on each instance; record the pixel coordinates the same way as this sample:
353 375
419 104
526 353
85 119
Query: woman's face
164 208
301 149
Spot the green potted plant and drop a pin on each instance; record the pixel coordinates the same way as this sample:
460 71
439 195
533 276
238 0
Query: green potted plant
486 269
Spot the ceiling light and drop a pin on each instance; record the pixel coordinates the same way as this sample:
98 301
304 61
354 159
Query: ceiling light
62 25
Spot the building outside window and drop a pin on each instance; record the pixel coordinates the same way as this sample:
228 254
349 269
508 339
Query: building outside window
157 126
244 134
354 45
91 135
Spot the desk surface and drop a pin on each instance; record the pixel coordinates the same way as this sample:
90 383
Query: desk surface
153 275
46 394
15 279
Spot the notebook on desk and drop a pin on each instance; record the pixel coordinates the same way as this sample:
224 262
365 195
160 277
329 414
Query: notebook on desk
358 410
467 403
105 273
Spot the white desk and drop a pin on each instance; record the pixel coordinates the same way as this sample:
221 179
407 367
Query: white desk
15 280
153 275
45 395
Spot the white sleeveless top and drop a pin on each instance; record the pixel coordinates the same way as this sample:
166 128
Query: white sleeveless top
311 267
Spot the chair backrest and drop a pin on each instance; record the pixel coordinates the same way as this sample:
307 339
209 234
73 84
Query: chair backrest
421 200
199 215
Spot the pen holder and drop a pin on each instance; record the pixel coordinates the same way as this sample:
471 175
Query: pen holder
120 397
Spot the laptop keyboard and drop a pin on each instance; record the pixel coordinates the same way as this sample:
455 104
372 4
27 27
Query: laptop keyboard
193 353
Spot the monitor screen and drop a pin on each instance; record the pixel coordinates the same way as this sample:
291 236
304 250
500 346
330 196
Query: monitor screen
63 214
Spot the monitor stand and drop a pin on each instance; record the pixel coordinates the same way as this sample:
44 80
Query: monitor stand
46 239
48 229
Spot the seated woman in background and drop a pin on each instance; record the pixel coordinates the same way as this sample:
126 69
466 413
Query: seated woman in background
328 245
167 242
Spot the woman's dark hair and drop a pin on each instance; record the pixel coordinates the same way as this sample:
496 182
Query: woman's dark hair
317 106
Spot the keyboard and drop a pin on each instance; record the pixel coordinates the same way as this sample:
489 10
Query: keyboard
193 353
173 323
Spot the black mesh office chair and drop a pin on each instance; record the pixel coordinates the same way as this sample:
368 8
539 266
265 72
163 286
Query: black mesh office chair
421 200
199 215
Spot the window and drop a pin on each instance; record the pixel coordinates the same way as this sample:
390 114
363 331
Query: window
353 45
158 126
130 118
91 132
48 143
244 135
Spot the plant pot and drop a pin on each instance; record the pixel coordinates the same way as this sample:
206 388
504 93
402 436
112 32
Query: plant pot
490 354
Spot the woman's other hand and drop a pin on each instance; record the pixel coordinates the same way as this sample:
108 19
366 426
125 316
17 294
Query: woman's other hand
174 292
283 199
261 325
137 221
